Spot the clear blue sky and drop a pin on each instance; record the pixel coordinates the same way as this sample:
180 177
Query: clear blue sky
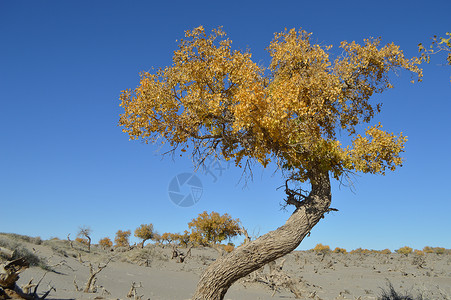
64 162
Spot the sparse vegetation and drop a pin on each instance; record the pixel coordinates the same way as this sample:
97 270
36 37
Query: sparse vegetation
155 256
19 251
25 238
392 294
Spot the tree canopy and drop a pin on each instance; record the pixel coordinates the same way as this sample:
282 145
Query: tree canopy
213 228
145 232
221 103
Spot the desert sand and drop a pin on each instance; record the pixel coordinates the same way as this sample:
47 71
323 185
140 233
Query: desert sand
317 276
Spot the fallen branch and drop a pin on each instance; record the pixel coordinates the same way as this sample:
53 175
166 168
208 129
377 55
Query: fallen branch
90 284
9 274
133 293
276 279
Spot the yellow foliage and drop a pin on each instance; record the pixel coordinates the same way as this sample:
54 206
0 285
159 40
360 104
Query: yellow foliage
183 239
213 228
82 240
122 238
418 252
320 248
404 250
439 44
228 248
360 251
436 250
340 250
218 98
385 251
167 237
145 232
439 250
106 243
428 249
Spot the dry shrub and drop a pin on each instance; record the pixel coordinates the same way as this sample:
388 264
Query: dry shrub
392 294
25 238
145 256
22 252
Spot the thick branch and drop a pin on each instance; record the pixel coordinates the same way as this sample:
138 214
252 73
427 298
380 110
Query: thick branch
221 274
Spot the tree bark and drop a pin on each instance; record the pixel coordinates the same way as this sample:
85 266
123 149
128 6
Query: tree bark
221 274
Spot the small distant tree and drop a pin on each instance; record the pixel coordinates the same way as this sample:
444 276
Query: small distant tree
213 228
418 252
183 239
360 251
439 250
320 248
156 237
340 250
85 232
167 237
105 243
404 250
122 238
144 232
428 249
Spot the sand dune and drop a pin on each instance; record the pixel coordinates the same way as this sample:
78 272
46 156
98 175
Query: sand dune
317 276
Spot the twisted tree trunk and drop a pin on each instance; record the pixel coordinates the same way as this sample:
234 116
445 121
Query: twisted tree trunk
220 275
